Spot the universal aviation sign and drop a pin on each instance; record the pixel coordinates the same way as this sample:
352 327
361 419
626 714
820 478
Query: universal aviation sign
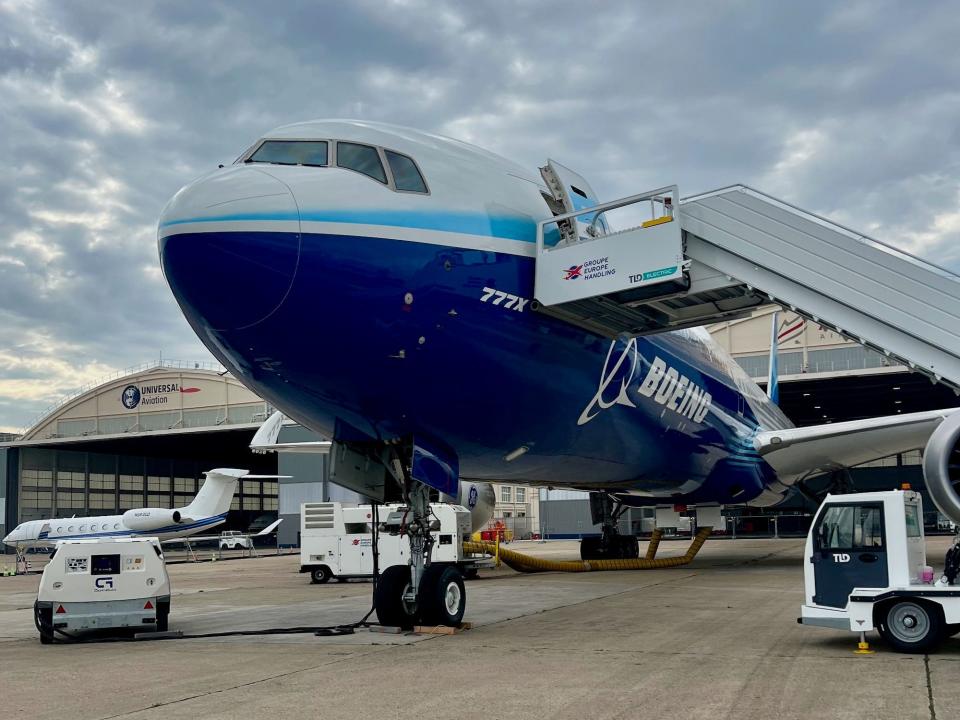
134 396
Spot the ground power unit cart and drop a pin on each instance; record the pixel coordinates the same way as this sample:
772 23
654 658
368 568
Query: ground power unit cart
103 584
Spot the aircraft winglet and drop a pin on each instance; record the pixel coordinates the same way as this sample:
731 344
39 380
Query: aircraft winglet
269 529
265 439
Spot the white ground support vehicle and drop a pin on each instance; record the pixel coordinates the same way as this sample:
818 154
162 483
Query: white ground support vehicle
235 540
103 583
866 569
336 540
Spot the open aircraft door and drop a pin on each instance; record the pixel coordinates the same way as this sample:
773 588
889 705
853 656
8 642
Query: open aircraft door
572 192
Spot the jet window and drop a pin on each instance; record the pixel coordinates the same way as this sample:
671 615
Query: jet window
291 152
362 158
406 176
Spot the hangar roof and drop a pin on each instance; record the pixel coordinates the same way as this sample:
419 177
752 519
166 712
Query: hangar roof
163 398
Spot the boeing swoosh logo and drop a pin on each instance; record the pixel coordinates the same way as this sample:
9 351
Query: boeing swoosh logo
618 370
663 383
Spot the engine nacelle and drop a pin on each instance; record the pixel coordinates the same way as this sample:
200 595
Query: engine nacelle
151 518
941 467
477 497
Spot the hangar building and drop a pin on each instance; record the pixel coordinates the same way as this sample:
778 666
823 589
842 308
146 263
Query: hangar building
144 438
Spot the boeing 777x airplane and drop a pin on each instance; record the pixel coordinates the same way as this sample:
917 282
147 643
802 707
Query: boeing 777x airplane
376 284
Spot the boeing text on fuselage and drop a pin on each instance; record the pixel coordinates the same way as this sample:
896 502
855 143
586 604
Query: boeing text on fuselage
662 383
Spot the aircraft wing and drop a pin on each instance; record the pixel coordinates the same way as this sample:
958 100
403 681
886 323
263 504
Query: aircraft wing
265 439
188 539
796 453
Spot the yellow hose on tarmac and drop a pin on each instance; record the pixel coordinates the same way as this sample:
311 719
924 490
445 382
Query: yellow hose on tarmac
526 563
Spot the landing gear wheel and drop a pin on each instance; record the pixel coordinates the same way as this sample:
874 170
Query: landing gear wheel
320 575
913 627
590 548
442 597
619 547
392 609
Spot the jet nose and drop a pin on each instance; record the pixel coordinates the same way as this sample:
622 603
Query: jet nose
229 246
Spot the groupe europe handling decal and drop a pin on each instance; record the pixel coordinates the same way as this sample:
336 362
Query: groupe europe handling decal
591 269
664 384
136 395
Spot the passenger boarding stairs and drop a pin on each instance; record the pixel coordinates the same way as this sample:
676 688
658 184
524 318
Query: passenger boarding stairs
720 255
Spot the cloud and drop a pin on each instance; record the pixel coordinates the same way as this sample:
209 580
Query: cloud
107 109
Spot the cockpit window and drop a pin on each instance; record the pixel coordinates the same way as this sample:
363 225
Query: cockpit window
406 176
362 158
291 152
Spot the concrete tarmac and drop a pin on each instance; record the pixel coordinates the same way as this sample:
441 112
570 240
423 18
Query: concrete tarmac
715 639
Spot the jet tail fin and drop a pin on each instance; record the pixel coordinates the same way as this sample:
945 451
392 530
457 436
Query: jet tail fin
773 385
215 495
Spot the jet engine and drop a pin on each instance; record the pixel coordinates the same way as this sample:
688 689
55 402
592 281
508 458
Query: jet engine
477 497
941 467
151 518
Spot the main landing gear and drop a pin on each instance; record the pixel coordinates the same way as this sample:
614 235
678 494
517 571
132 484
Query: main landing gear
421 593
611 545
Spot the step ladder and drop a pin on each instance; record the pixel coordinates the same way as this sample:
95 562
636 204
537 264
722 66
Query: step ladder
734 250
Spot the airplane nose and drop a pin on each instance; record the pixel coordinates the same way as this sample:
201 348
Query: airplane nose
229 246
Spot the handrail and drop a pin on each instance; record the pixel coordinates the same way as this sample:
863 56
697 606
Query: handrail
832 224
603 207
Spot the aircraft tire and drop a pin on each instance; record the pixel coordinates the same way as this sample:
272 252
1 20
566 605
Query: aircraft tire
590 548
442 597
392 611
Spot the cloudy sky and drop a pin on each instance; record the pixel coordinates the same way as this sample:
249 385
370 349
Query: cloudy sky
849 109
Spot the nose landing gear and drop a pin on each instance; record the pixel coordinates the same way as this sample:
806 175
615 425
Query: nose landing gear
421 593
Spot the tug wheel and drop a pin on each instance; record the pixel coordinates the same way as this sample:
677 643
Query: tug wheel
320 575
912 627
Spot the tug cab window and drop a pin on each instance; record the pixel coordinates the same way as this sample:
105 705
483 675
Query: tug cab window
362 158
851 527
406 176
291 152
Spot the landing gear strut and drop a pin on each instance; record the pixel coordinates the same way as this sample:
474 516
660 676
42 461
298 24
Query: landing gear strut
421 593
611 545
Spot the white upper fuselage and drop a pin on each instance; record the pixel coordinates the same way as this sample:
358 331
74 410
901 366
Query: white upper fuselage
43 533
